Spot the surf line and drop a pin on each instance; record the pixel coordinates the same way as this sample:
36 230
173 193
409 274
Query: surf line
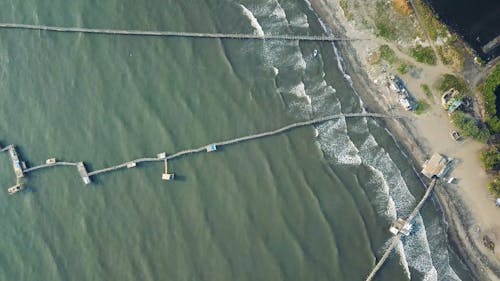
21 169
288 37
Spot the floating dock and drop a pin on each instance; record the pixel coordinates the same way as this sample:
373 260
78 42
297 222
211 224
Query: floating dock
83 172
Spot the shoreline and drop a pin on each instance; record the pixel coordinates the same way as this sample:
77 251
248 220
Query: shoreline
459 218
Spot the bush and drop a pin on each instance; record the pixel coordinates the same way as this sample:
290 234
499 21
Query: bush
449 81
424 54
468 127
490 158
422 107
488 89
387 54
494 186
427 90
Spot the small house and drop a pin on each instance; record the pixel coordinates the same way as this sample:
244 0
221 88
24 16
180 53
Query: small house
161 155
437 165
211 148
51 161
400 226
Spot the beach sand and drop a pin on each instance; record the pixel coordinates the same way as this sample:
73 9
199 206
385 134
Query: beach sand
469 208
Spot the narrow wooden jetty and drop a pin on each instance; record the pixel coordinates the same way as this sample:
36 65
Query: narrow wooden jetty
396 239
86 175
287 37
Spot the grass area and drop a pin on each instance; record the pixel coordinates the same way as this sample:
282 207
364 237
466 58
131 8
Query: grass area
345 7
388 54
434 27
427 90
468 127
449 81
393 24
423 54
422 107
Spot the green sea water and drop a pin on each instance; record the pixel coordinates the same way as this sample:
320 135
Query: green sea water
289 207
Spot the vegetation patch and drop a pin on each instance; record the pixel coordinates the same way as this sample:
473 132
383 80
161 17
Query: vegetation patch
423 54
490 158
345 7
449 81
388 54
468 127
494 186
422 107
427 90
434 27
488 89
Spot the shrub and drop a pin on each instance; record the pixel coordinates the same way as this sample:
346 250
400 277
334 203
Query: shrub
427 90
490 158
494 186
387 54
449 81
424 54
489 87
422 107
468 127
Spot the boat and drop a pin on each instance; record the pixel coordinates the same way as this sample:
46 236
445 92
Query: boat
14 189
315 53
455 136
51 161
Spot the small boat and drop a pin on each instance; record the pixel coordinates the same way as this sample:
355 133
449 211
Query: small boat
315 53
14 189
51 161
455 136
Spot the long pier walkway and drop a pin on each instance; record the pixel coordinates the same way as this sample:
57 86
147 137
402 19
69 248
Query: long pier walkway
395 239
164 157
174 33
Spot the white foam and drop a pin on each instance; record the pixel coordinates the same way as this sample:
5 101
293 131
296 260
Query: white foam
275 71
253 21
299 91
334 141
300 21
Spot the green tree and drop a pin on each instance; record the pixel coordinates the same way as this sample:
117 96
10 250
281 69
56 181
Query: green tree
490 158
494 186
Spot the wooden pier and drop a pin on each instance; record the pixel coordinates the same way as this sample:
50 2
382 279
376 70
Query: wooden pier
86 175
287 37
396 239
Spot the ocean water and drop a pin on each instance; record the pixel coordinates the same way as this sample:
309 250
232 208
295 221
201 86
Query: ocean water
311 204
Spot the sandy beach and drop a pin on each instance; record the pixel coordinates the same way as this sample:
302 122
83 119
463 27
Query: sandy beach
468 207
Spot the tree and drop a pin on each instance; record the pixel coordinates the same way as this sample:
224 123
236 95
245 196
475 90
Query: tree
490 158
494 186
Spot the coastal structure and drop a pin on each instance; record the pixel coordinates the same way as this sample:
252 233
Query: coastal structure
85 175
402 227
83 172
437 165
176 33
166 175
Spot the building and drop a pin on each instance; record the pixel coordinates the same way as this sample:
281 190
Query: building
437 165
